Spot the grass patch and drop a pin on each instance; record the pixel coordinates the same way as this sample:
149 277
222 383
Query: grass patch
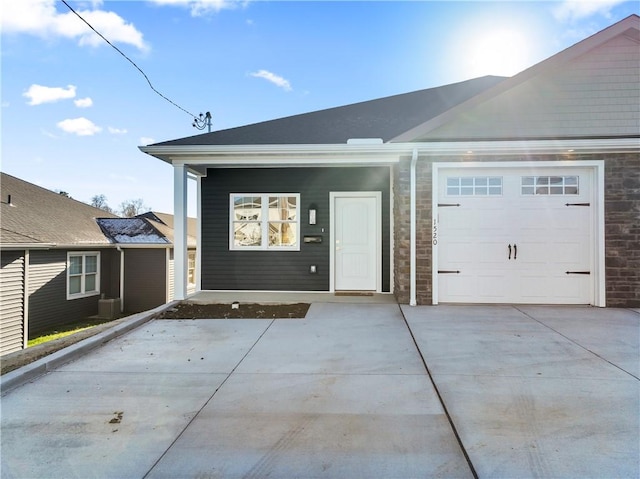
67 330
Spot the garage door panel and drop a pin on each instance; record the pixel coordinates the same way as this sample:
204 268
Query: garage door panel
551 238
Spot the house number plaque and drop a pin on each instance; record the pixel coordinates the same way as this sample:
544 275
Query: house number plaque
434 236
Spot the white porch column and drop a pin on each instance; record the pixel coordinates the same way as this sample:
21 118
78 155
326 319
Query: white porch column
179 231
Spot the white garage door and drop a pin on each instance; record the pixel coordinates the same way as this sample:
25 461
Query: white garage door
515 235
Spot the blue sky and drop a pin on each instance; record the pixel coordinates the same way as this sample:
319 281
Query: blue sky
74 111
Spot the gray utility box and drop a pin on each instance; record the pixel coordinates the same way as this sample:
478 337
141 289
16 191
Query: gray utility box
109 308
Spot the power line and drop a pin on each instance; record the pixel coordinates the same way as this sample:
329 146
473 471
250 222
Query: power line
130 61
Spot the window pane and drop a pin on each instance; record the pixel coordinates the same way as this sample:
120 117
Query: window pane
570 180
481 190
453 181
282 234
453 191
282 208
247 234
542 190
247 208
89 283
481 181
74 284
466 181
75 265
556 180
91 264
466 190
542 180
556 190
495 181
571 190
528 190
495 190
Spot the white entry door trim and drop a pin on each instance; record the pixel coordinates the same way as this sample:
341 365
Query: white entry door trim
597 253
377 227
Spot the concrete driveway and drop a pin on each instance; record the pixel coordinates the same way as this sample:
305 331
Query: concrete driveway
344 393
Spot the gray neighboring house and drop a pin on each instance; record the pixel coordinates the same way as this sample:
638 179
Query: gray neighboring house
518 190
57 262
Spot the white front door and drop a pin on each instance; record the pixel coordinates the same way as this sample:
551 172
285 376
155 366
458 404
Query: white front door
356 226
511 235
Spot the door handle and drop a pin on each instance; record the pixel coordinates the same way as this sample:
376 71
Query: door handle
515 251
509 252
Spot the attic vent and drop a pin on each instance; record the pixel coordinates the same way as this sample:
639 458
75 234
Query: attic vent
364 141
9 201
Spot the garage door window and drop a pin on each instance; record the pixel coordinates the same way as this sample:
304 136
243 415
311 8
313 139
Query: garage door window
549 185
474 186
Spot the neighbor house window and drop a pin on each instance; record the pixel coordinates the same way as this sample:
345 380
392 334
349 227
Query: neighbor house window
191 267
83 274
264 221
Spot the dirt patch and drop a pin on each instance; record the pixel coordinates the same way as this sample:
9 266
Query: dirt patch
187 310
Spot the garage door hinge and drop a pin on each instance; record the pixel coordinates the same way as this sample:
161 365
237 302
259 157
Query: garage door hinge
448 204
578 272
447 271
577 204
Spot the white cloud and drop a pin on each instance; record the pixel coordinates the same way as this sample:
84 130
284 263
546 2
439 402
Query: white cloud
41 18
202 7
83 102
116 131
38 94
273 78
571 10
145 140
79 126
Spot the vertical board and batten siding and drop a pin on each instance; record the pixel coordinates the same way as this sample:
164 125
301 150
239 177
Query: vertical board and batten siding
145 282
48 304
12 327
223 269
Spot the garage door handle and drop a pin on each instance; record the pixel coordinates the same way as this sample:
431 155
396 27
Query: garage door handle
509 252
515 251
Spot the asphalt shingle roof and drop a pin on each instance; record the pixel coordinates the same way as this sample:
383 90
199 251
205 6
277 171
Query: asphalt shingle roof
383 118
38 215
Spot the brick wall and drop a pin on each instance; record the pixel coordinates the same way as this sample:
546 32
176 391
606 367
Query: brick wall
622 230
402 225
622 226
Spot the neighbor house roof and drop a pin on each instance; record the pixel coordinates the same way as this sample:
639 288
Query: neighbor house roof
40 217
382 118
131 231
167 219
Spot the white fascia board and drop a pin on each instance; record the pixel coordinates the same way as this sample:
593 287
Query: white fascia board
286 155
567 147
387 153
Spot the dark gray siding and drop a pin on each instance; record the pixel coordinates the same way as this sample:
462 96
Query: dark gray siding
11 301
223 269
145 279
48 304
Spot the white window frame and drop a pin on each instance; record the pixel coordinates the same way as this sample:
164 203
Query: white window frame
191 267
264 223
83 293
